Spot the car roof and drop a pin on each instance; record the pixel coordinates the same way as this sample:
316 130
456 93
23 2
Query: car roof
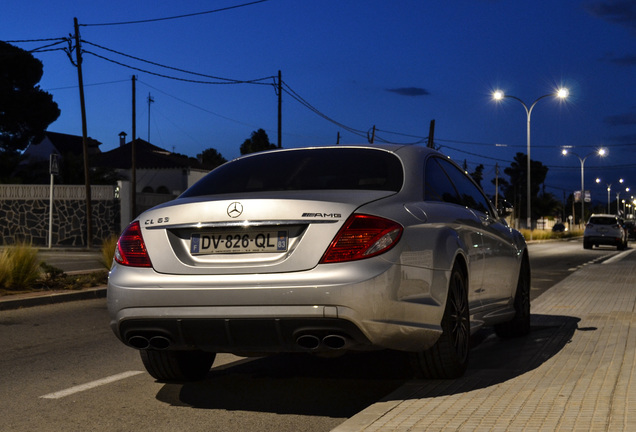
394 148
604 215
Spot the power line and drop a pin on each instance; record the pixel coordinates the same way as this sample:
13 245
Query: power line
226 80
88 85
63 39
287 89
173 17
195 106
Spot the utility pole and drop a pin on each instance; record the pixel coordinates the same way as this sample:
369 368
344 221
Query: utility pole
150 100
431 134
372 139
280 109
497 186
338 138
133 160
87 181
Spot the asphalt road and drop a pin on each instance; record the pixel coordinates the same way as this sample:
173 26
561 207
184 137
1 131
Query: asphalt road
552 262
48 351
61 368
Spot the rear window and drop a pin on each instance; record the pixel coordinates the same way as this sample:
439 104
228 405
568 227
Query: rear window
304 169
600 220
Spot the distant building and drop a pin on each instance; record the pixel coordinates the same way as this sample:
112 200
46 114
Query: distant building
60 144
161 175
158 171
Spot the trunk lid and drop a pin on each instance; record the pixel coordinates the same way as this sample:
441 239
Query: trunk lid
248 233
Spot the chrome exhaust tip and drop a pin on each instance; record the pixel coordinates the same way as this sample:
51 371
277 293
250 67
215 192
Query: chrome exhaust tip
307 341
138 342
335 342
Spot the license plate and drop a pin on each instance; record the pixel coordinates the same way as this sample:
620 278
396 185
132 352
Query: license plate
238 242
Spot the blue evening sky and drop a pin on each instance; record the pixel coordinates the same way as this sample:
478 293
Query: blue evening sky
357 63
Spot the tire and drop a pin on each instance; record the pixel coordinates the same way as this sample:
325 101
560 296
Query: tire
448 358
520 324
587 244
177 365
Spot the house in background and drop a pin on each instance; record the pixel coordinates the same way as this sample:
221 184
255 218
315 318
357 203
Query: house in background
34 167
60 144
161 175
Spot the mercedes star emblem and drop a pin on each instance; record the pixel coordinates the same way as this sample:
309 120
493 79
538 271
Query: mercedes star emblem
235 209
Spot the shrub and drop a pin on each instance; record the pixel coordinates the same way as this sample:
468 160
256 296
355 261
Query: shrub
5 268
108 251
20 268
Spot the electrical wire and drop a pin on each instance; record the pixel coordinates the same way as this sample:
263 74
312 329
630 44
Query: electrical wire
173 17
228 80
196 106
36 40
294 95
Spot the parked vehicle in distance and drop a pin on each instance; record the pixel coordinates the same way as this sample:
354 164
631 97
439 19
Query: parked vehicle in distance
605 229
559 227
320 250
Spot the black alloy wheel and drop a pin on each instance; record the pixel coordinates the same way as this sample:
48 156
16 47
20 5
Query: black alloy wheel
520 324
448 357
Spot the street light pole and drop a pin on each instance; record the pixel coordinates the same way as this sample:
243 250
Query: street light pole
600 152
561 93
609 189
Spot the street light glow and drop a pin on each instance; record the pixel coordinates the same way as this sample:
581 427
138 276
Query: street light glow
498 95
565 152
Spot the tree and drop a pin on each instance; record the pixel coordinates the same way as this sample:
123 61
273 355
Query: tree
25 110
515 191
211 158
478 174
259 141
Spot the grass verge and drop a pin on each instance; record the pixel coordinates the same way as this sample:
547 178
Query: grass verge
22 272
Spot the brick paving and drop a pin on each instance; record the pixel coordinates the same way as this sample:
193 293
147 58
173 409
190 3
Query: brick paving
575 372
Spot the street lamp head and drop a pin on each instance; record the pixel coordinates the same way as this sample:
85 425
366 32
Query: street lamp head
498 95
603 152
564 152
562 93
598 180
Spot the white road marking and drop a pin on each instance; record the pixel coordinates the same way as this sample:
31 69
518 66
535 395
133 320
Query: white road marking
618 257
80 388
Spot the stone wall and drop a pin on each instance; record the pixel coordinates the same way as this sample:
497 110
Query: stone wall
24 214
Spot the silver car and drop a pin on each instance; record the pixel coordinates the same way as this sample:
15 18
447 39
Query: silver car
605 229
320 250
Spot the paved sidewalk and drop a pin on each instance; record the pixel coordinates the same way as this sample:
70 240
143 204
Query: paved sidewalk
18 301
575 372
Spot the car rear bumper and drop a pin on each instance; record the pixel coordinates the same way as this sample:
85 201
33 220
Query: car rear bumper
602 240
279 313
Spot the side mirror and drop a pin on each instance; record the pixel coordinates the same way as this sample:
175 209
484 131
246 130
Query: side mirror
504 209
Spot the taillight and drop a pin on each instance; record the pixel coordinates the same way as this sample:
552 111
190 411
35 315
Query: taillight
362 236
131 249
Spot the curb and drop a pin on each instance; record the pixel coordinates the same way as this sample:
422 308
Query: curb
19 302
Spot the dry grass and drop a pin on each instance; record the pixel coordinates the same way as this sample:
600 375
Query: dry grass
108 251
549 235
19 267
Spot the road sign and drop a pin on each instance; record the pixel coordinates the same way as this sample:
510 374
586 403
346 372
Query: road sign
54 165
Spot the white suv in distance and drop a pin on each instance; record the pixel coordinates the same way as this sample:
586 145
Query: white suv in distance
605 229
